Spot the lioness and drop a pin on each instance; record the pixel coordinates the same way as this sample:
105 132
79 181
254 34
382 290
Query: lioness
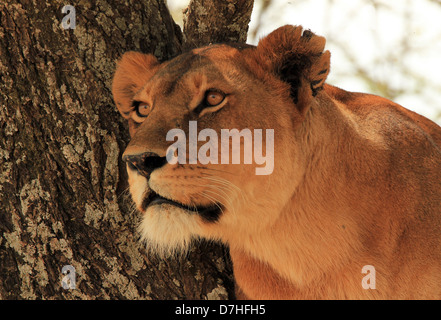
356 179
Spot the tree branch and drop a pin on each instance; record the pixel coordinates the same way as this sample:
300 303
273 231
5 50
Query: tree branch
211 21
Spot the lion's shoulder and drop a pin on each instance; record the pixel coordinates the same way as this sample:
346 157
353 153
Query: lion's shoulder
389 116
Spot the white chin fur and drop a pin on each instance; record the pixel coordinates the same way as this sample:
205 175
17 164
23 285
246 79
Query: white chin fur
168 230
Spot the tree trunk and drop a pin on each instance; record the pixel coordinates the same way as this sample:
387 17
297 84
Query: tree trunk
205 22
63 186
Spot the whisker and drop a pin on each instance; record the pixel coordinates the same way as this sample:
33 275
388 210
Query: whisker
225 198
212 199
227 183
212 169
222 190
221 185
124 193
223 181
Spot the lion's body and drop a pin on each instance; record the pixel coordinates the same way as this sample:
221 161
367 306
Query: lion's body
356 180
372 197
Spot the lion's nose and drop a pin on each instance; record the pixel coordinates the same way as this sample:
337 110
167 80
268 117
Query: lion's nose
145 162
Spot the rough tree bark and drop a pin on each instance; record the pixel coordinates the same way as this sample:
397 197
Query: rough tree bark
205 22
63 190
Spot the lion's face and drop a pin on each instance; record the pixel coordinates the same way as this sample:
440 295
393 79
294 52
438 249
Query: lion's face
201 94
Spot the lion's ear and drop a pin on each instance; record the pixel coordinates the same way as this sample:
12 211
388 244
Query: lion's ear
296 57
132 72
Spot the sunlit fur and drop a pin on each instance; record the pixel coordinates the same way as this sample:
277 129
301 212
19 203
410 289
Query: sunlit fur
356 180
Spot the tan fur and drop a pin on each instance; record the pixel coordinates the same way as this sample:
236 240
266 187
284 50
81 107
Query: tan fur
356 180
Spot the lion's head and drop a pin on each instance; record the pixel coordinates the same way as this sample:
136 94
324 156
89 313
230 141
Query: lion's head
218 87
307 186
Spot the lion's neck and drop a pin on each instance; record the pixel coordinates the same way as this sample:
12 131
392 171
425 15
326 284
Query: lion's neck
301 244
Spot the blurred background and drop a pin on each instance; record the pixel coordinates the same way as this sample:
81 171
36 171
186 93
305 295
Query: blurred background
384 47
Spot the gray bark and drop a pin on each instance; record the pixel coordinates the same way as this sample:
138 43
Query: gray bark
63 186
206 21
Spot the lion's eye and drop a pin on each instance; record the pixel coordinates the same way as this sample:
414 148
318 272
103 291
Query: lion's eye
142 109
213 98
